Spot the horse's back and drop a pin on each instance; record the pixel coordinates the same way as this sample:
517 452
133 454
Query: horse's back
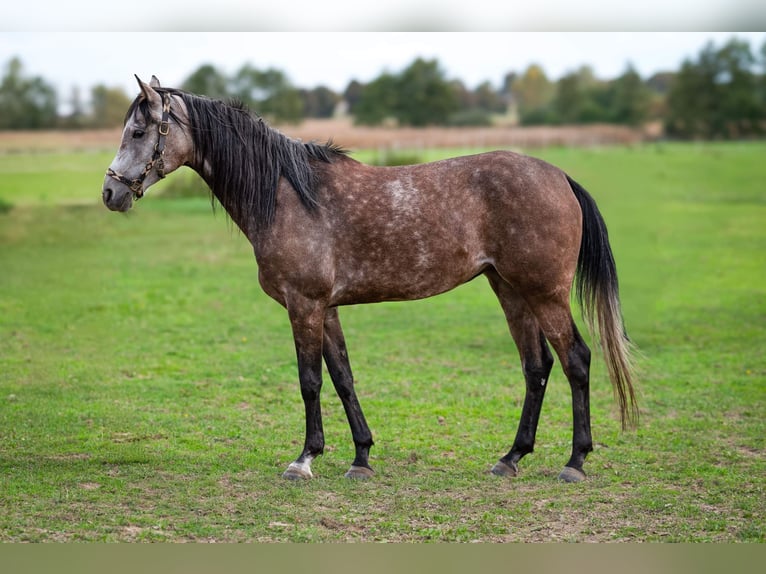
413 231
485 200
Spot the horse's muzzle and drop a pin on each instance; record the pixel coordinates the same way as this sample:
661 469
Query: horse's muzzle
116 196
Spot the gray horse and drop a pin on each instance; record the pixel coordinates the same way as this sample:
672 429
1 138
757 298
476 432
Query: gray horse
330 231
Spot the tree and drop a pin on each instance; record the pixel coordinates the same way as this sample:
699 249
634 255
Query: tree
740 108
570 99
488 99
25 102
424 95
475 107
77 118
661 82
269 92
378 100
108 106
582 98
418 96
352 94
579 97
762 61
533 93
319 102
630 99
466 98
717 95
208 81
508 82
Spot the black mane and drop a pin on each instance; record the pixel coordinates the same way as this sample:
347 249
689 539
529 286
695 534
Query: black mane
244 158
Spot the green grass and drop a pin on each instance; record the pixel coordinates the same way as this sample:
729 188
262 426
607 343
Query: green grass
47 178
148 388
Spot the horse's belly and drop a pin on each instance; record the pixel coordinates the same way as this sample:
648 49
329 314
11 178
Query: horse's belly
411 275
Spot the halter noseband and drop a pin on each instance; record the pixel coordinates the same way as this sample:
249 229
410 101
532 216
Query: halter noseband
157 161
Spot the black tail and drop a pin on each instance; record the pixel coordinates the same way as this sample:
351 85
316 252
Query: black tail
597 291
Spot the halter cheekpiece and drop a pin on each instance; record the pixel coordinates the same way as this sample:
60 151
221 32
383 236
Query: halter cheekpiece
157 162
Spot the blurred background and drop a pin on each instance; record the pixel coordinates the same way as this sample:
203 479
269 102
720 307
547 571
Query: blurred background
148 389
680 85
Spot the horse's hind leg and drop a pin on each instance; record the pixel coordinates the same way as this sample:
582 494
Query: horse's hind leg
556 321
336 359
536 362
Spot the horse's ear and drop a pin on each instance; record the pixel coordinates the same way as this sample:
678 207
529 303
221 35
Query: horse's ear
154 83
141 84
147 91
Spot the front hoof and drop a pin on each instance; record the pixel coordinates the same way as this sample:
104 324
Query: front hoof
504 469
297 471
570 474
360 472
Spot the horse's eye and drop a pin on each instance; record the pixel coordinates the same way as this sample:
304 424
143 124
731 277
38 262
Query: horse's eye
138 134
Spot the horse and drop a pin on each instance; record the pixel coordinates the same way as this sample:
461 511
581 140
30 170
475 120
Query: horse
329 231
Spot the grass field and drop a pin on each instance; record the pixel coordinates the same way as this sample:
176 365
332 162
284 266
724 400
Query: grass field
148 389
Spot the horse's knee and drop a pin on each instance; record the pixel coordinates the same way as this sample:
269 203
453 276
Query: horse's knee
310 387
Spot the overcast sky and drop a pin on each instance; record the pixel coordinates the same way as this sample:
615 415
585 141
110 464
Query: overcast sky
68 59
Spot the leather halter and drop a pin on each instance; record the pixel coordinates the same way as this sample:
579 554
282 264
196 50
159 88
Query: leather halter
157 162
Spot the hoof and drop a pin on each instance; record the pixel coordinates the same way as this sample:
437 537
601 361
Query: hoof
360 472
504 469
570 474
297 471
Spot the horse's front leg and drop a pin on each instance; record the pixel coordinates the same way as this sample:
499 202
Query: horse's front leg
306 318
336 358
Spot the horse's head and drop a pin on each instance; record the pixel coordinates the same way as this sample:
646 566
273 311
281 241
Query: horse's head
154 144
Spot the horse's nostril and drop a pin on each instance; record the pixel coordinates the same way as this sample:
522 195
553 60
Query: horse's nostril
107 194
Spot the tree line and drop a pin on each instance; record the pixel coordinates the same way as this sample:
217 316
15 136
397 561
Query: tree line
721 93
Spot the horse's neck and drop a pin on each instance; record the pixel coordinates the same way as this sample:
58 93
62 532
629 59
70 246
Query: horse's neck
207 172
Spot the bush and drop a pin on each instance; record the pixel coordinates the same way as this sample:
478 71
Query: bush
5 206
471 118
538 116
391 158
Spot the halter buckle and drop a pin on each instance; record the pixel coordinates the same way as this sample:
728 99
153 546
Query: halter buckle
164 128
135 187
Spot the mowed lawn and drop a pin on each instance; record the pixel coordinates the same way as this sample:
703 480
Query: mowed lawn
148 388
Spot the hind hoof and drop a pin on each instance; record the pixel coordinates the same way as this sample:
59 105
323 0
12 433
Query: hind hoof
360 472
504 469
570 474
